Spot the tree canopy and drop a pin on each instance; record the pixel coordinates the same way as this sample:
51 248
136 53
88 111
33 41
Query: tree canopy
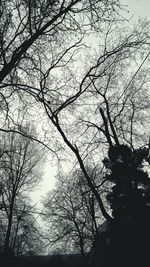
83 97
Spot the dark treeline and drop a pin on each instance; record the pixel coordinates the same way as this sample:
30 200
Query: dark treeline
70 260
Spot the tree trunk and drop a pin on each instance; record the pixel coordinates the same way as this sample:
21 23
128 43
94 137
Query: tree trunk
8 232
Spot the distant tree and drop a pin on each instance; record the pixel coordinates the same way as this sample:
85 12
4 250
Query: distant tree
72 215
19 175
26 238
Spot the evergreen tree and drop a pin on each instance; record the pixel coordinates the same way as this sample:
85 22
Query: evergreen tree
129 200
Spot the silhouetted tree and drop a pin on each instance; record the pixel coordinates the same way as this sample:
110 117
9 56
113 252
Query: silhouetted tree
19 175
130 201
116 102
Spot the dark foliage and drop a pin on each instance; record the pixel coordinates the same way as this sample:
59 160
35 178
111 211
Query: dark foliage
70 260
130 203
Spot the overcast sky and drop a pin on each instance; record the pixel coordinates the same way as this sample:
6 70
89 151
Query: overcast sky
137 8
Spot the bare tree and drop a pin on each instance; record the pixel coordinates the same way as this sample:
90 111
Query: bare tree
72 215
37 38
97 87
31 39
63 101
19 174
26 236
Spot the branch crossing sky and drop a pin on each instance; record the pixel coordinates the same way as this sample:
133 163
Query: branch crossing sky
138 9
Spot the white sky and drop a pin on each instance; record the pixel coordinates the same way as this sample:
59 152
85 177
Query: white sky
137 8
